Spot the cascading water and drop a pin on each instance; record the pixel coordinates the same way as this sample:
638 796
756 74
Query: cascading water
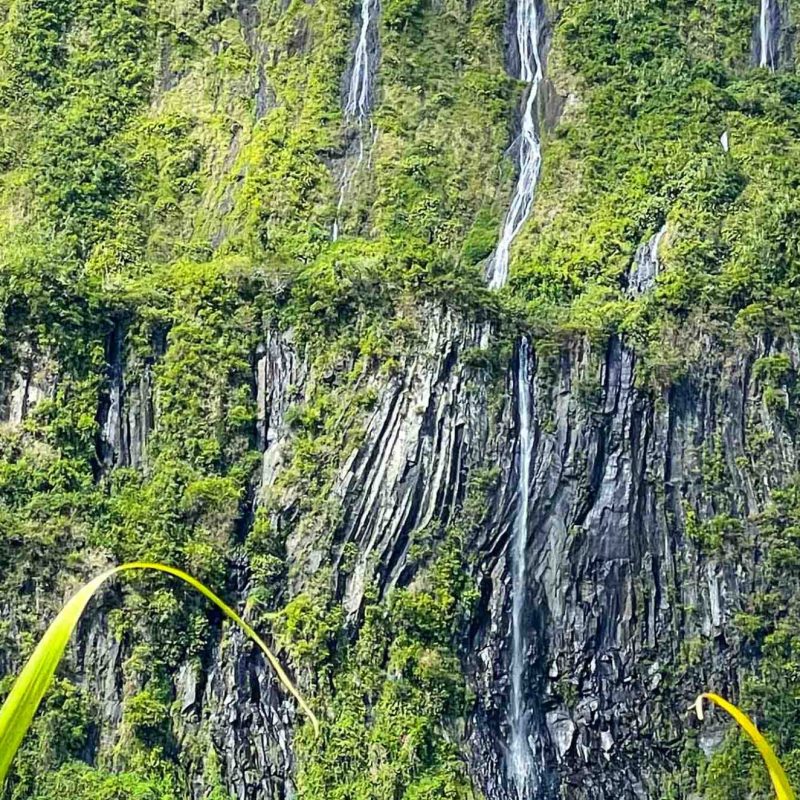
522 767
766 58
358 96
646 265
530 151
359 100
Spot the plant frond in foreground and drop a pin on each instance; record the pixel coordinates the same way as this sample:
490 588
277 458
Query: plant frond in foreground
783 789
30 687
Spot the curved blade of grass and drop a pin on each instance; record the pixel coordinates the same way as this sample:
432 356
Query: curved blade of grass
30 687
780 782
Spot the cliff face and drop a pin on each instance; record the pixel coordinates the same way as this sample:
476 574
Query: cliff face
627 614
618 592
501 538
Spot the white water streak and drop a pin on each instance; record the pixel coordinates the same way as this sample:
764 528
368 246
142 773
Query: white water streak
344 185
358 99
530 151
765 35
522 767
646 265
357 107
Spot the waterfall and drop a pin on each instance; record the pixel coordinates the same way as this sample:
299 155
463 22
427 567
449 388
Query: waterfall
530 151
358 96
646 265
359 101
344 185
522 767
765 29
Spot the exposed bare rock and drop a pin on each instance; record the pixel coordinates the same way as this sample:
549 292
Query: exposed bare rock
426 432
34 378
646 265
126 414
281 374
618 594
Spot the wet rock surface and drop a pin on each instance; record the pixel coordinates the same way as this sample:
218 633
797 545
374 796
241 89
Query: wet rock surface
617 592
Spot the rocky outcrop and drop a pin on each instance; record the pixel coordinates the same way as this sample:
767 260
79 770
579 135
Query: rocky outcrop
234 706
280 377
229 703
773 44
428 429
33 378
127 409
618 594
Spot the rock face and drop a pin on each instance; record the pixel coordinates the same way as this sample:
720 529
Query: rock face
248 720
281 374
617 594
773 43
427 431
33 379
127 409
616 590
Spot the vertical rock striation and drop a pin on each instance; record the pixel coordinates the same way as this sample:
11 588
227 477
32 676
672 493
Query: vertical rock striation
773 35
596 590
617 589
33 378
593 664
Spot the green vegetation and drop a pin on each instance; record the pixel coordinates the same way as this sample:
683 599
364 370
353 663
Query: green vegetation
769 624
391 691
780 782
653 87
168 174
19 707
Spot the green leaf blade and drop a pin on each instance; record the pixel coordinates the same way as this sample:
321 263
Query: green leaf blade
780 782
33 682
19 708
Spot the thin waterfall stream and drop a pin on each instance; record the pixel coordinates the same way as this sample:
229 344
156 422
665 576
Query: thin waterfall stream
763 28
523 770
358 105
528 32
766 57
521 763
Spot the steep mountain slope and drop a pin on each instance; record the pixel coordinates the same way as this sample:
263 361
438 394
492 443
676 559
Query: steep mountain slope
501 532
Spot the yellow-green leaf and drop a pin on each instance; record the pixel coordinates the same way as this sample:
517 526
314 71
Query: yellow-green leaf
783 789
30 687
